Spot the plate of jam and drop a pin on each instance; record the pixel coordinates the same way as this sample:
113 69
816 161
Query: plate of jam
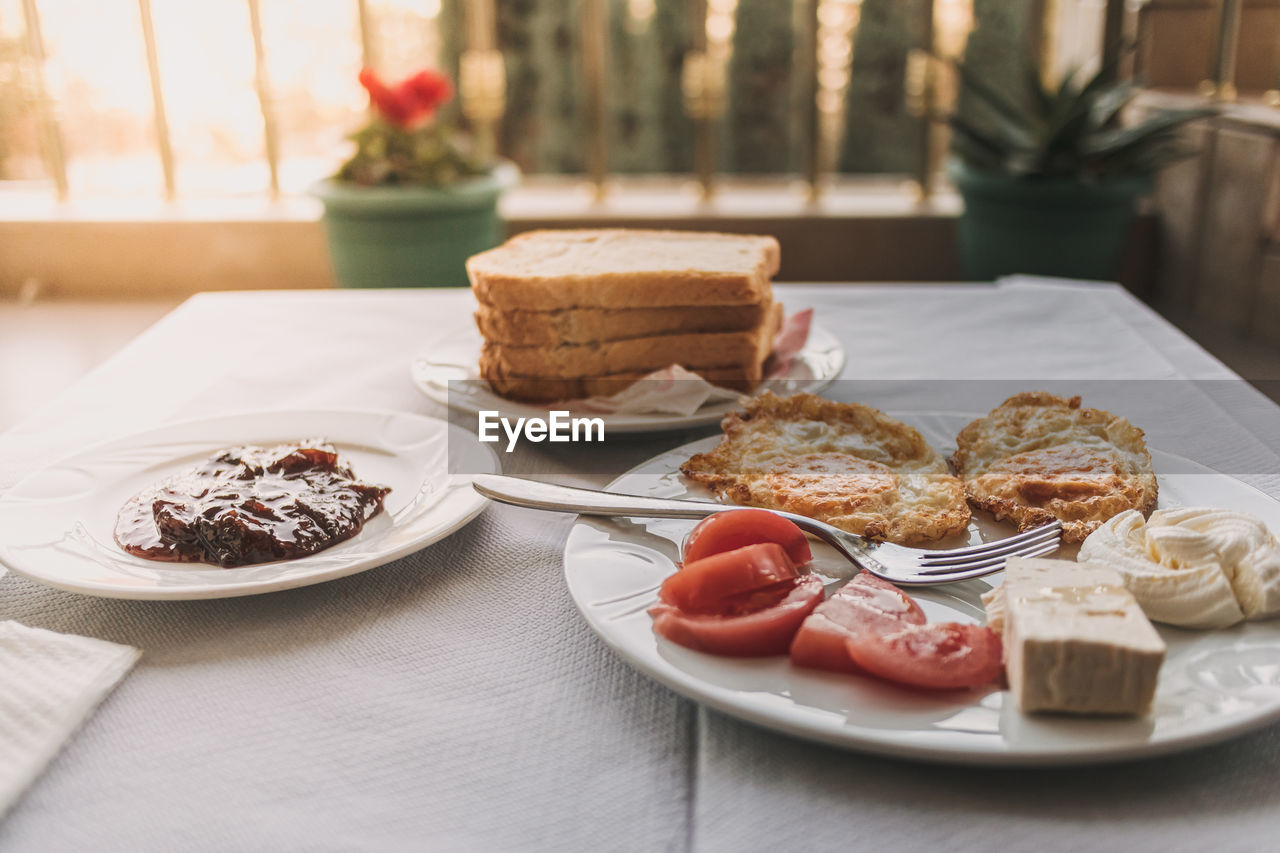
242 504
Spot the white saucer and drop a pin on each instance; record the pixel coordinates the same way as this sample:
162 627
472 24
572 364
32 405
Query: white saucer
56 525
454 360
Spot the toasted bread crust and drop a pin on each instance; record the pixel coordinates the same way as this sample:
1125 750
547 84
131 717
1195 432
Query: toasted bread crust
574 361
632 268
586 325
1038 456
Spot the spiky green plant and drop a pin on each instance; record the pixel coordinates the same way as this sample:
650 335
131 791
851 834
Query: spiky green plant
1072 131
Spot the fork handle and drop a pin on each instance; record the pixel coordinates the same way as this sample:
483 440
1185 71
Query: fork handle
548 496
536 495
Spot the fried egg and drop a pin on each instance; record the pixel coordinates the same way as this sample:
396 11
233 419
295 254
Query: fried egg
849 465
1037 457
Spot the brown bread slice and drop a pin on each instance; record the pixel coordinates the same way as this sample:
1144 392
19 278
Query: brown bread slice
644 354
586 325
624 268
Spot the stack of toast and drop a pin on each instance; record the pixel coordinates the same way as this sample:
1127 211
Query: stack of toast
571 314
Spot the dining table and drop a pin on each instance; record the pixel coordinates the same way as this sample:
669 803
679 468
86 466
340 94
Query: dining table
456 699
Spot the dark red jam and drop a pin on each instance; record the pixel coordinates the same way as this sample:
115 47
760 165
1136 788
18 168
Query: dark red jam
250 505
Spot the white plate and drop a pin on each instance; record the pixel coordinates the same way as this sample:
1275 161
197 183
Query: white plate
455 360
56 526
1214 684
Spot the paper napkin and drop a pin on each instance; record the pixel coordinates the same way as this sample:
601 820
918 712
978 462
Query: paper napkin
49 684
789 342
669 391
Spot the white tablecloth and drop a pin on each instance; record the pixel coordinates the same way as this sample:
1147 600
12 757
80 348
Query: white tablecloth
455 700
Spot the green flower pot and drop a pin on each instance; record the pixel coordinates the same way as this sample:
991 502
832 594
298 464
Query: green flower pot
1044 226
400 236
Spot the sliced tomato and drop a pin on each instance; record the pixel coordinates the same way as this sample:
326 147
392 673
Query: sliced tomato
938 656
706 585
756 634
735 528
865 603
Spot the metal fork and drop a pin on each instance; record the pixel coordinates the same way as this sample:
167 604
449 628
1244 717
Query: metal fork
894 563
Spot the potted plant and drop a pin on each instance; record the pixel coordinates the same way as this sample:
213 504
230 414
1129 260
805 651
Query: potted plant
1050 181
414 201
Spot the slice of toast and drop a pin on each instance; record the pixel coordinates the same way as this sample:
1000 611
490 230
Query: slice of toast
630 355
585 325
624 268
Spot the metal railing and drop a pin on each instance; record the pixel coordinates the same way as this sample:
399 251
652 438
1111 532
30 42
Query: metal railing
703 82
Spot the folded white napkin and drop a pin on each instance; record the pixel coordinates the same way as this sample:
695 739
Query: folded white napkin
49 684
670 391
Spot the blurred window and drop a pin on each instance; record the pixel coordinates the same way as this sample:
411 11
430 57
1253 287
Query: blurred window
77 93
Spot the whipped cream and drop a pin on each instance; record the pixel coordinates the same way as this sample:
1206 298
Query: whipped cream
1192 566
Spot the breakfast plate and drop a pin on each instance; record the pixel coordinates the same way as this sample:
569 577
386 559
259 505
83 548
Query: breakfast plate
448 375
56 525
1213 685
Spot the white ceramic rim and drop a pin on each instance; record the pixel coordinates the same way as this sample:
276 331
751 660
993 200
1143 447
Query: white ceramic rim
822 345
465 506
1222 728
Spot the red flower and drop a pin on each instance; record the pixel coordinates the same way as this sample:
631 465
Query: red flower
412 101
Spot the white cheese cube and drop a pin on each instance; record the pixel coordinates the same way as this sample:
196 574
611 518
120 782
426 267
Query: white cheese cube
1076 641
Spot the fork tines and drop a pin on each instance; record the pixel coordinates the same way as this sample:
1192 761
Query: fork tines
1031 543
